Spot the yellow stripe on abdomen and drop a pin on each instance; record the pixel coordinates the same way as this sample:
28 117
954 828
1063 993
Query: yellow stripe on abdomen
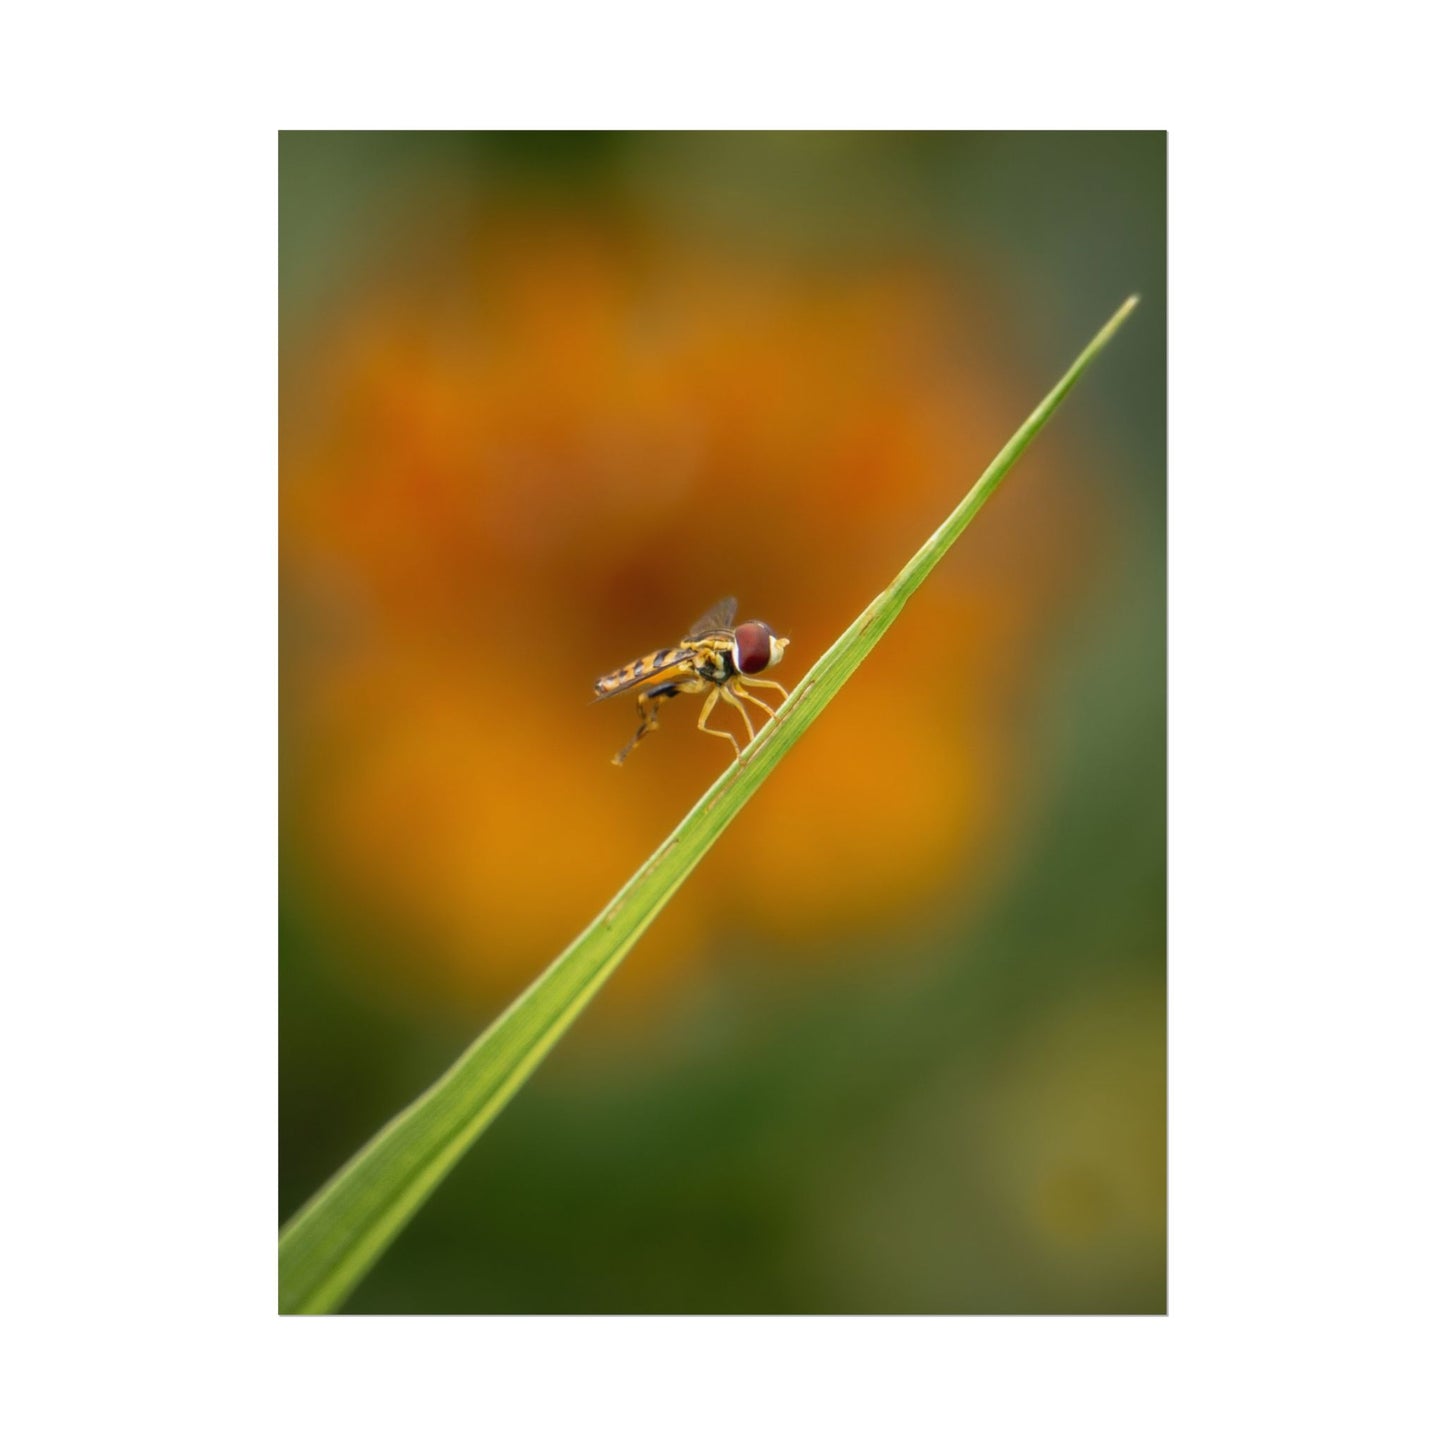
635 672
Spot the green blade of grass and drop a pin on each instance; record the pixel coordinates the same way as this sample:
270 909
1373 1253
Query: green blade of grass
335 1238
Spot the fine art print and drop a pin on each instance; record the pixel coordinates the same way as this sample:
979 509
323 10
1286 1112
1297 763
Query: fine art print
722 786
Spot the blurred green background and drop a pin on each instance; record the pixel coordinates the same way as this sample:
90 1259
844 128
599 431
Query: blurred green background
899 1044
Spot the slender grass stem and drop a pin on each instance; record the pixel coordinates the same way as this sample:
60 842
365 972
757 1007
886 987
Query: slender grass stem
329 1246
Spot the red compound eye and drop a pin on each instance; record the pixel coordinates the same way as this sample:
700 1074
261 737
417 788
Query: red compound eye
754 646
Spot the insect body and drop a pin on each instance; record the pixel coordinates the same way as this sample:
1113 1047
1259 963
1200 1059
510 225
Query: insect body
714 658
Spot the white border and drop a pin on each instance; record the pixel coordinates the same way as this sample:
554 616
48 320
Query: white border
139 601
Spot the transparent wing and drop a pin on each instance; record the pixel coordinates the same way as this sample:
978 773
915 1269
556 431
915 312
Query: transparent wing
718 618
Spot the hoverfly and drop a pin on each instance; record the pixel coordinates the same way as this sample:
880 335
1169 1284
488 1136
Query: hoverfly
713 658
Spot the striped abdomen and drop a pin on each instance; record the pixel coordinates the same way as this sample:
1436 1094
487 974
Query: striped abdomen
663 660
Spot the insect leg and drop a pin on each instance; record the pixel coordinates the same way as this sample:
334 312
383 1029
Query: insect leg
707 707
731 698
738 690
762 682
647 705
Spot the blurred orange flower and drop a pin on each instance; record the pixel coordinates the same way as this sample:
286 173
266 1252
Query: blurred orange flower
546 456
